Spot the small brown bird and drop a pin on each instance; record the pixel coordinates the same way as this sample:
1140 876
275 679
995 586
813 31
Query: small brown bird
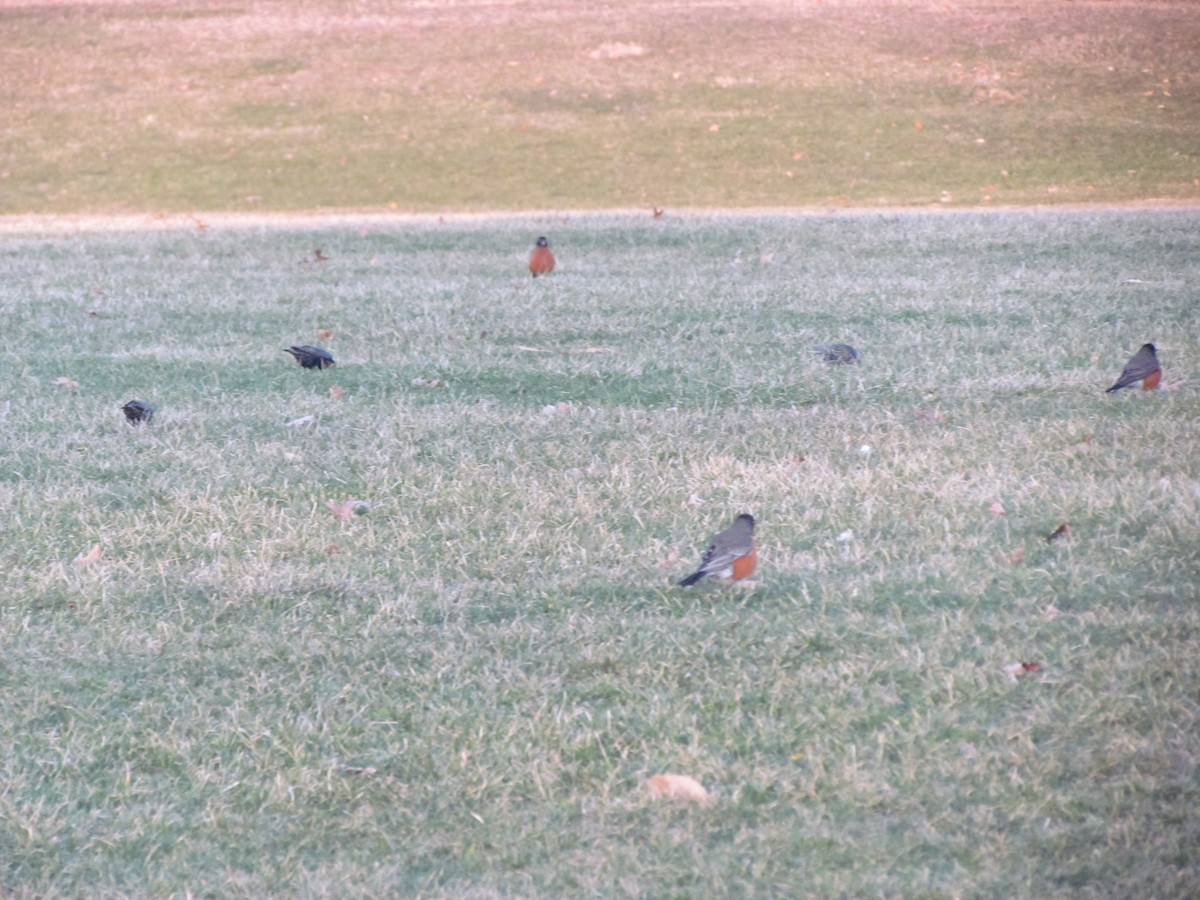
1143 366
311 357
137 412
837 353
541 260
731 554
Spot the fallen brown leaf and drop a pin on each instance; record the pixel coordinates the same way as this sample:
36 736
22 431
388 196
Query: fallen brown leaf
336 392
347 509
64 381
1012 670
92 556
324 333
676 787
996 509
1015 557
1061 531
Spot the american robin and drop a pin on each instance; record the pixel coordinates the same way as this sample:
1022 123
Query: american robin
541 260
1143 366
311 357
731 554
137 412
838 353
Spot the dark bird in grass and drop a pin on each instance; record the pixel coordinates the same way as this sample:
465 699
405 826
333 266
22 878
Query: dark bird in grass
842 354
137 412
1143 367
311 357
541 260
730 555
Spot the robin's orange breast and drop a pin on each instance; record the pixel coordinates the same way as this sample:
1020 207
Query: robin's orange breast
1150 382
541 261
744 566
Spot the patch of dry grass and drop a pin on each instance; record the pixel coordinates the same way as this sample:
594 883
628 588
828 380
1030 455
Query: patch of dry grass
547 105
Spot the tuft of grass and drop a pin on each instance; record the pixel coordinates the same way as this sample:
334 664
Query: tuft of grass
549 105
461 692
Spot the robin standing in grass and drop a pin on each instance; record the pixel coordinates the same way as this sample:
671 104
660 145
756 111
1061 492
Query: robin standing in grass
541 260
311 357
730 555
137 412
1143 367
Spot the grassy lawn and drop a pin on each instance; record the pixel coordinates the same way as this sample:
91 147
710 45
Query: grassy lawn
212 684
553 104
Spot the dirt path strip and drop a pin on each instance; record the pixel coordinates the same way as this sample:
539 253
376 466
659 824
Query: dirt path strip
87 223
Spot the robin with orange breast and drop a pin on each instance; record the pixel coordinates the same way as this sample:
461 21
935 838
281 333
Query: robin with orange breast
1143 367
541 260
730 555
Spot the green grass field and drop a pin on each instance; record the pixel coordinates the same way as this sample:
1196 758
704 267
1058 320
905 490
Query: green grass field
462 692
196 105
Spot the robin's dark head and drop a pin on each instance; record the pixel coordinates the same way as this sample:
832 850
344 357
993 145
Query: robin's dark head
747 520
1148 348
542 242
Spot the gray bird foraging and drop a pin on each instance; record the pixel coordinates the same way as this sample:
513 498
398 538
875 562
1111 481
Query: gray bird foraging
137 412
311 357
842 354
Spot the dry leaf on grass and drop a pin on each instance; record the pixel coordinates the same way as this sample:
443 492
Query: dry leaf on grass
676 787
1012 670
64 381
347 509
336 392
1061 531
1015 557
996 509
324 333
92 556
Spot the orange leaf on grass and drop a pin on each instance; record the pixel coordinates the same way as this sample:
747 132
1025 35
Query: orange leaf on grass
336 392
347 509
92 556
324 333
669 786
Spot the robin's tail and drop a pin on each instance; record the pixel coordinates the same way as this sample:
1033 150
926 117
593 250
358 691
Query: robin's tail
692 579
